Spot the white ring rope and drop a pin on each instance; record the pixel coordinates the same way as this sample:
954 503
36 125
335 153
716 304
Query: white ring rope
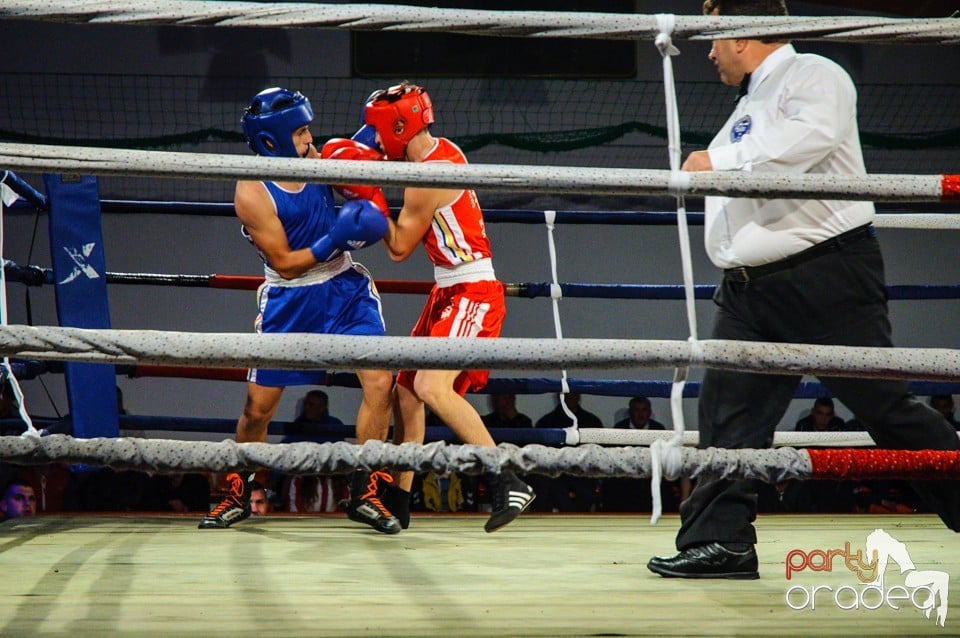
165 455
305 351
500 177
553 24
926 221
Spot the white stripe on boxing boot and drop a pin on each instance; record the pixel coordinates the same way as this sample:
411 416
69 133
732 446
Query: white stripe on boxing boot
519 500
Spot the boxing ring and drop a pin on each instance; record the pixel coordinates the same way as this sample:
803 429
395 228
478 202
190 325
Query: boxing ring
544 575
321 576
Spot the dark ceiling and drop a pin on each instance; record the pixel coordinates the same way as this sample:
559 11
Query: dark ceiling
908 8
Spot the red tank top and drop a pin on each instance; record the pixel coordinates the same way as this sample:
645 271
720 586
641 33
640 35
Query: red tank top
457 234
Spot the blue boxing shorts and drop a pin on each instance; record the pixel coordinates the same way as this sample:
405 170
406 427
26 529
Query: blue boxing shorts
347 304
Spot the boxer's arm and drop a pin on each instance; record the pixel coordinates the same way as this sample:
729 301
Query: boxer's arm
255 210
413 222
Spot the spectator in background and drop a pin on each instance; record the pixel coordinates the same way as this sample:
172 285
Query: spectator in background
569 493
639 416
822 418
504 413
19 500
309 493
314 414
557 418
51 478
259 505
822 497
633 494
943 403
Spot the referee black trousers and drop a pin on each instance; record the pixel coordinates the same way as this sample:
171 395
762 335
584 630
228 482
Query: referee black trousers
838 298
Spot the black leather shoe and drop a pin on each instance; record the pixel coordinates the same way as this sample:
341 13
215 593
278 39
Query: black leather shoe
707 561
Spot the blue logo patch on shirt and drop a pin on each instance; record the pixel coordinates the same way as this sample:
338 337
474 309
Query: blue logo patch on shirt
740 128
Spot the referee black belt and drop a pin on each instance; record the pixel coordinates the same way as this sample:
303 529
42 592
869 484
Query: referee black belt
744 274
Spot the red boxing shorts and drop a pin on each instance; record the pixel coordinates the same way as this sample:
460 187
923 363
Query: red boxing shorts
474 309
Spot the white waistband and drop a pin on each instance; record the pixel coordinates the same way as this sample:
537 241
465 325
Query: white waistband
324 271
479 270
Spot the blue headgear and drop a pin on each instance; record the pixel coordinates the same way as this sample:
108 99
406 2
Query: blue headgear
270 120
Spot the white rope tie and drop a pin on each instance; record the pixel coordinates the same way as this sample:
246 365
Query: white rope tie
666 461
7 197
665 450
556 294
678 183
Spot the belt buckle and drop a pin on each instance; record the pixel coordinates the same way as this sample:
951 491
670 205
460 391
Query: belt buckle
737 275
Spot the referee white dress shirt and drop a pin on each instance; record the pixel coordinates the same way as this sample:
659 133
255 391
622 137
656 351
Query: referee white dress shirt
799 116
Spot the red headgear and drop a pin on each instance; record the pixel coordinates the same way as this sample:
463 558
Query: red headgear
399 113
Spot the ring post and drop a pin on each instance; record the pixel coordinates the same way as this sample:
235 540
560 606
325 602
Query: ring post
79 272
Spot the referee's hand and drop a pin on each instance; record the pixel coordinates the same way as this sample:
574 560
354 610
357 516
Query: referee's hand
697 161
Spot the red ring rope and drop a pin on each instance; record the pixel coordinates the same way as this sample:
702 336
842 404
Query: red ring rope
950 187
840 464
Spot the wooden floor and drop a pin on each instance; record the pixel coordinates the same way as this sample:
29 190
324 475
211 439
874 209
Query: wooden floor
543 575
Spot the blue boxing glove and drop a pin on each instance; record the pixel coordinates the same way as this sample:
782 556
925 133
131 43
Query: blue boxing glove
367 135
359 224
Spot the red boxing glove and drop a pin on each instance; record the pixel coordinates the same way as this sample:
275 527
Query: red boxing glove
343 148
340 148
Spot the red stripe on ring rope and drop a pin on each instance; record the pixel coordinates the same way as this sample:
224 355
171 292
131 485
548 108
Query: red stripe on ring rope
876 463
949 187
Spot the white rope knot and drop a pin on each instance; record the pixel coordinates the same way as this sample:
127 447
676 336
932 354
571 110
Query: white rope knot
664 43
697 354
666 460
679 183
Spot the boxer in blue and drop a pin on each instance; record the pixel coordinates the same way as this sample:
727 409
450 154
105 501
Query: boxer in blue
311 285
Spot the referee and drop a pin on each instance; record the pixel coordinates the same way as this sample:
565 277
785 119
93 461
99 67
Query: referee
794 271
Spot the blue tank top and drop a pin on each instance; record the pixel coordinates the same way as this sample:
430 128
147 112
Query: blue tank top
306 215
